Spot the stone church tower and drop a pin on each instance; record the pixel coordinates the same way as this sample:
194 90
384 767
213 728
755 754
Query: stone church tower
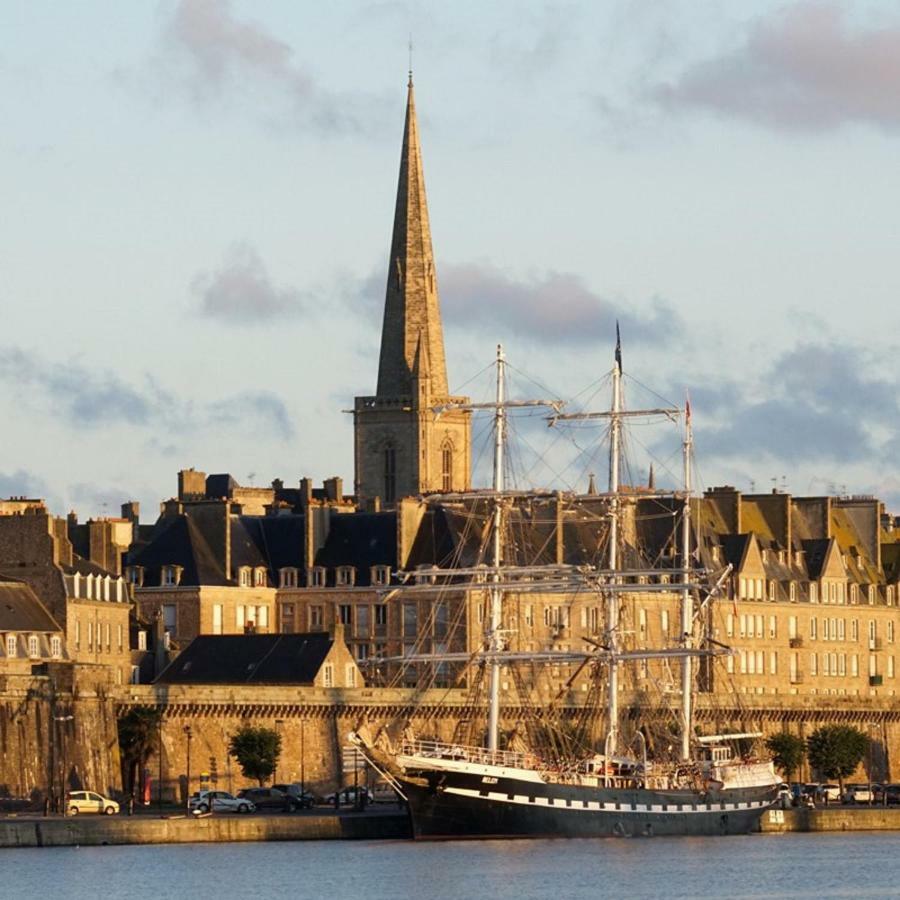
401 446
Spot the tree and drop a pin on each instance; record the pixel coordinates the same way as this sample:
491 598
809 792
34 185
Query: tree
138 740
787 752
836 750
256 750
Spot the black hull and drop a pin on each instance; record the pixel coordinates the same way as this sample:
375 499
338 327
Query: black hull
460 806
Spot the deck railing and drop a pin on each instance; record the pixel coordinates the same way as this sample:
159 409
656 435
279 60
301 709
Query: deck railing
480 755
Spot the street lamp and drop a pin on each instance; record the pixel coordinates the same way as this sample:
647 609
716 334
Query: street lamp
159 751
188 734
61 802
278 724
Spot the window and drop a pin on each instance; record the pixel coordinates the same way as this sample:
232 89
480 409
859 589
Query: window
854 629
107 630
813 664
813 629
381 574
351 675
120 637
315 617
259 579
528 613
792 627
77 634
729 624
760 662
169 618
642 622
890 667
410 617
142 640
729 664
792 588
890 631
288 577
771 590
595 619
773 663
854 665
217 618
743 658
262 616
664 622
773 627
345 611
390 474
447 467
134 574
56 646
244 577
90 636
743 631
759 625
873 666
316 576
380 617
11 646
328 675
363 618
854 593
346 575
34 646
813 591
170 575
759 589
842 664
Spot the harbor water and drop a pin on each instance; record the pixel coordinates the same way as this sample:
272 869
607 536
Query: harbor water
792 866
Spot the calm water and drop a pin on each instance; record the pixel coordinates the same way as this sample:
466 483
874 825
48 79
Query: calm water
802 866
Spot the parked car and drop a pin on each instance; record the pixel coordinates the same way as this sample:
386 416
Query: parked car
384 793
219 801
349 796
830 793
270 798
858 793
306 799
886 794
88 802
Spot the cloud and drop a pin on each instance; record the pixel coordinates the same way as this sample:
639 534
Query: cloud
817 402
217 58
241 291
84 396
555 307
535 41
807 68
22 484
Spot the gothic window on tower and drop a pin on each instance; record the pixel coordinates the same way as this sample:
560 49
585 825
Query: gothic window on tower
447 467
390 474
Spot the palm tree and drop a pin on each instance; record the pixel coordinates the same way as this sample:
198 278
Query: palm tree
138 741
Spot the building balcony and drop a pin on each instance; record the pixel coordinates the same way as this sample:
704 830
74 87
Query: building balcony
797 678
876 680
795 642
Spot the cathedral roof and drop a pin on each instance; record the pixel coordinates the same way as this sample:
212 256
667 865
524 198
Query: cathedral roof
412 310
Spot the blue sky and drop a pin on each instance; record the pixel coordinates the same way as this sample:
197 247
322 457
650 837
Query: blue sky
197 206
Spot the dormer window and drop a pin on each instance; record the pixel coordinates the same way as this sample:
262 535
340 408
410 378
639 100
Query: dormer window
381 575
34 646
171 576
135 575
259 576
245 576
11 645
56 646
854 593
346 576
315 576
288 577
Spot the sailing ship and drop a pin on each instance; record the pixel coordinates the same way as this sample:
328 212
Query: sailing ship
707 785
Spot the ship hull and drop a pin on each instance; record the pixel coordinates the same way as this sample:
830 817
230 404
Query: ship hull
462 806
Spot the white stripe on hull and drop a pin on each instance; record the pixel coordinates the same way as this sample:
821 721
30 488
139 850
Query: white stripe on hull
595 806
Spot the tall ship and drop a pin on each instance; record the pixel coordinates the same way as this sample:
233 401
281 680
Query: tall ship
601 771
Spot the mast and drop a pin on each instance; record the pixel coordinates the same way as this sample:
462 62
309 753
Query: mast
496 594
687 604
612 602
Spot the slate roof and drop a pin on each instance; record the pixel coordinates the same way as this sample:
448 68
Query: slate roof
249 659
179 542
362 540
21 610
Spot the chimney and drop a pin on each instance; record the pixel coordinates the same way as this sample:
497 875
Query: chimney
334 489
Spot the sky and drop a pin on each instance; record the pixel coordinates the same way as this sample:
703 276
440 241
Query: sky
197 199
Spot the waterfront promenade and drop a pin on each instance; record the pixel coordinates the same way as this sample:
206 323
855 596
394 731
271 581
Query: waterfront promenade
59 831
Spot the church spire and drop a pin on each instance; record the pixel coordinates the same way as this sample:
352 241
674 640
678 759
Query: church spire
412 316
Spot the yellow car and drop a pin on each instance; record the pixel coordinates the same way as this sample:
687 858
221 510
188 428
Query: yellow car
89 802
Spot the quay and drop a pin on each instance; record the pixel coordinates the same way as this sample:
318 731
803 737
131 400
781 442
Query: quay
831 818
97 831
